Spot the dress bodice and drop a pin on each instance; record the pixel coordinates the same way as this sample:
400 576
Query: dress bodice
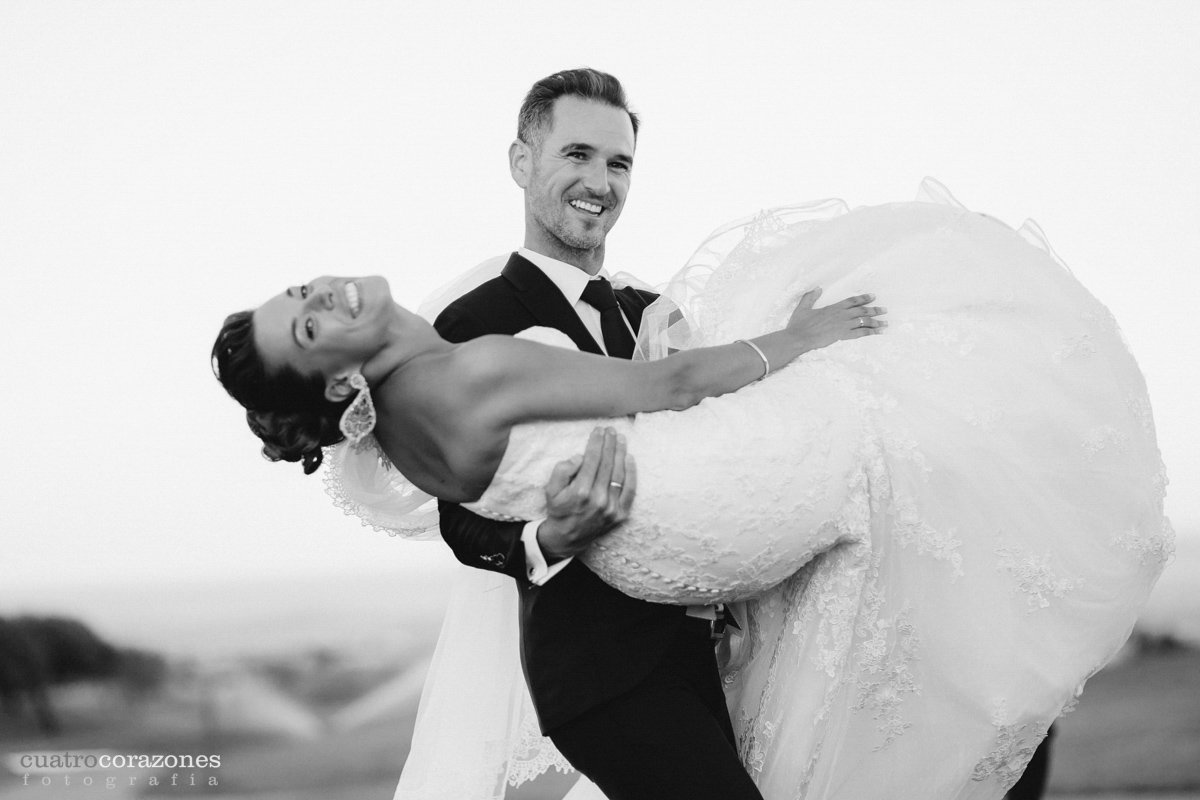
668 552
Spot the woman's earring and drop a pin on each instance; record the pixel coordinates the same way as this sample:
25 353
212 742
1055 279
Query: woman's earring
358 420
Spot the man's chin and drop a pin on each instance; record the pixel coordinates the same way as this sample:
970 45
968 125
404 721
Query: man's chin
582 240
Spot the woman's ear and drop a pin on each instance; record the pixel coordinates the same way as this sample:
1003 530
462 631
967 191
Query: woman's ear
519 157
338 387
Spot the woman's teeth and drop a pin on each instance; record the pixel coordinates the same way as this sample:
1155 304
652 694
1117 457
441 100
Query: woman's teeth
353 300
583 205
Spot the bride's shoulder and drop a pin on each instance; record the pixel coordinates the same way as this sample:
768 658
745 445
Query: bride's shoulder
494 357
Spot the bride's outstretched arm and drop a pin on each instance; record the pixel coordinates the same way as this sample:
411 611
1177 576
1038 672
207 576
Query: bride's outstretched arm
517 381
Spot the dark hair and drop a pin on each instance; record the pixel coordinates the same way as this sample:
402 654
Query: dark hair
589 84
286 410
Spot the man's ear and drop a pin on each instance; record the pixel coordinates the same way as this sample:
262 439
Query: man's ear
338 387
520 160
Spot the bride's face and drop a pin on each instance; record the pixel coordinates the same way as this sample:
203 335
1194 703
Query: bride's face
328 326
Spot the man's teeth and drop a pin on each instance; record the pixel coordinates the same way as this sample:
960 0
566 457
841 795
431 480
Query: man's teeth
352 298
583 205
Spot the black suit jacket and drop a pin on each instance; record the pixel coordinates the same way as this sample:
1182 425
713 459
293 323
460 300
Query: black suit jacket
582 642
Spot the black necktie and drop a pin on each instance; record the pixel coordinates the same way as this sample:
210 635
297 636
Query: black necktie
617 340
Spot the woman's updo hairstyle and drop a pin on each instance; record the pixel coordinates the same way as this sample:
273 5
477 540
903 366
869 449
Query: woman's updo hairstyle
286 410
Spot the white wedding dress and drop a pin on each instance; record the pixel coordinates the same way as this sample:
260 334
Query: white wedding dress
940 533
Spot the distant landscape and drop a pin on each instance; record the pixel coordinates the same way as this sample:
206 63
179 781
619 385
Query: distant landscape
309 689
378 612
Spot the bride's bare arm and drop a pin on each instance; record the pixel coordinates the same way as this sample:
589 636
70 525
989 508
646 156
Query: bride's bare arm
516 381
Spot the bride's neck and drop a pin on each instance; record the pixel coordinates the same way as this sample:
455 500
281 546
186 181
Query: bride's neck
409 339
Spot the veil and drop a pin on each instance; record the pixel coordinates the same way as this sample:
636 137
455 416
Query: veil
476 731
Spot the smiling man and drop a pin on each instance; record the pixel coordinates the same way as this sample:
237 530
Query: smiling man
575 174
627 690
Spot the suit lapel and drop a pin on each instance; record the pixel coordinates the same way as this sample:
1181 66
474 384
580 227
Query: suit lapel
546 304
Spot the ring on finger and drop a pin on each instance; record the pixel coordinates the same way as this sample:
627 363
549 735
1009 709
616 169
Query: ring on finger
616 484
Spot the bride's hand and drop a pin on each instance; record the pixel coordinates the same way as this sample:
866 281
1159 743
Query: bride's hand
847 319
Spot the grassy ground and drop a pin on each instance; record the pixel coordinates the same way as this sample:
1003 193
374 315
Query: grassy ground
1136 733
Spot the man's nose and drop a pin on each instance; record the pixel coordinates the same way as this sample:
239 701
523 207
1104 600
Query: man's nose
596 178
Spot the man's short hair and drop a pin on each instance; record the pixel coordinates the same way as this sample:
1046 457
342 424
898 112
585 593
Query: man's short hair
537 109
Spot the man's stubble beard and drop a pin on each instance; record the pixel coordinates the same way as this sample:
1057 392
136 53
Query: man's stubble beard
555 224
557 228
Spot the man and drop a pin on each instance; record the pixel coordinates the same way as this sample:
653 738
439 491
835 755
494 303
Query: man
627 690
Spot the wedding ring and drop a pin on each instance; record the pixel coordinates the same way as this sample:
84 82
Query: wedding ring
615 484
861 324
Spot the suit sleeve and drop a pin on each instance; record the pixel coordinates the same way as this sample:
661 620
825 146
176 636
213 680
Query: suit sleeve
477 541
483 543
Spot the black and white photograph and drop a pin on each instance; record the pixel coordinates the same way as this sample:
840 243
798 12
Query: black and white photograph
357 452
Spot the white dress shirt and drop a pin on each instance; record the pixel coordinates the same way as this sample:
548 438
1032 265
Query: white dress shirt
571 281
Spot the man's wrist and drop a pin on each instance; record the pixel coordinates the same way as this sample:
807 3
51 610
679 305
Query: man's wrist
543 538
538 569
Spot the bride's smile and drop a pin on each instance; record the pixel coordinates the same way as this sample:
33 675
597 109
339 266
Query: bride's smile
326 325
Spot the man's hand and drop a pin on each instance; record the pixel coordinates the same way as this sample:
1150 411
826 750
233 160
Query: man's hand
587 496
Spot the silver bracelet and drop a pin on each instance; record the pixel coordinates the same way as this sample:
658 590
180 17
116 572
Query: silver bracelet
757 349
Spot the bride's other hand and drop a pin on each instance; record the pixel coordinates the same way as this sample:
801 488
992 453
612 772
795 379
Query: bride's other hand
846 319
587 496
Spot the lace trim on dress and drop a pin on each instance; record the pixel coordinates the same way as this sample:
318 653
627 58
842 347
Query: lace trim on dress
1151 547
362 482
885 654
1034 576
533 754
1015 745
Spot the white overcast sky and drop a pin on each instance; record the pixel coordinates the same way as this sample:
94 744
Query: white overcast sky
165 163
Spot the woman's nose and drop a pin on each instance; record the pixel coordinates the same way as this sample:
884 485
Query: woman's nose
321 298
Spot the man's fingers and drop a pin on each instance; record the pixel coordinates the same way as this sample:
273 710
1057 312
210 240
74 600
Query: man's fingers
560 476
591 459
617 479
629 486
604 470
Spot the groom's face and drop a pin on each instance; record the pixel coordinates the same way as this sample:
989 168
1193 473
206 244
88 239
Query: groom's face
575 182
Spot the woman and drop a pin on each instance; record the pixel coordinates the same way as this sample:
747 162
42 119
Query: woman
945 530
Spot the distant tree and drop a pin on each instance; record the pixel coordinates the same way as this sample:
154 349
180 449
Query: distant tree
39 652
24 675
140 672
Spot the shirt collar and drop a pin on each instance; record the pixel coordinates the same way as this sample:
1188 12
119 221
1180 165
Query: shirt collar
569 279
